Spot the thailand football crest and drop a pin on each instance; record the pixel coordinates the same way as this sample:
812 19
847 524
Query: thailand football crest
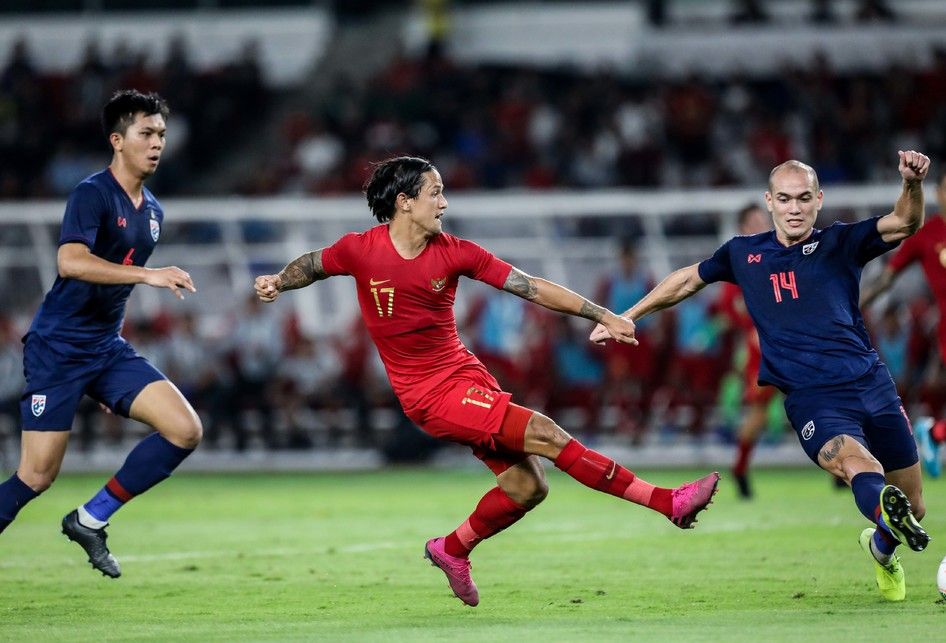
808 248
155 229
808 430
38 405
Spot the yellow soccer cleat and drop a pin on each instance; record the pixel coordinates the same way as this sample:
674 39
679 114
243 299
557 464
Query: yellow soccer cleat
890 580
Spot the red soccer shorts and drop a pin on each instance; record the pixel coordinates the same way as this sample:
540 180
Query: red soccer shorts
469 408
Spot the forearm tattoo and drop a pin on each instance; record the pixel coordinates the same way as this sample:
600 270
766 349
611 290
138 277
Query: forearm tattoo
591 311
830 452
519 283
302 271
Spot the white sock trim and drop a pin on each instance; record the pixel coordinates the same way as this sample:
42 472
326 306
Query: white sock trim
882 558
88 520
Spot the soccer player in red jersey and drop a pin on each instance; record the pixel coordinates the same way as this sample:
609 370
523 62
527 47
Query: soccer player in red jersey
751 219
927 246
406 272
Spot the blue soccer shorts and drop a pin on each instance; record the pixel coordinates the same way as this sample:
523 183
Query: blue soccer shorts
867 409
57 376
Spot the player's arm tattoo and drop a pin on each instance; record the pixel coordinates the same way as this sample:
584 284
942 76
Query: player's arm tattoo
591 311
519 283
554 297
830 452
302 271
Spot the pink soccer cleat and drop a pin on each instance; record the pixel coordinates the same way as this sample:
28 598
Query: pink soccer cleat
456 569
691 498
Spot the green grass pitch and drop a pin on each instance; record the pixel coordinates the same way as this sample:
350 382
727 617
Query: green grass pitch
339 557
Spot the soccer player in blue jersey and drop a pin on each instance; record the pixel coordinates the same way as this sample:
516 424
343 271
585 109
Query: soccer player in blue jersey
73 348
800 285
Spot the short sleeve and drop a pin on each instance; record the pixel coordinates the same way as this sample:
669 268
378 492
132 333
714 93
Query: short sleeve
85 211
478 263
862 241
338 258
718 267
908 252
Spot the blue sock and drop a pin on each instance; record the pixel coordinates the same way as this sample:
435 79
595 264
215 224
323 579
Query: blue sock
14 494
151 461
867 487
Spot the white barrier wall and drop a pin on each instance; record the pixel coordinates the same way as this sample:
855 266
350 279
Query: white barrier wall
290 41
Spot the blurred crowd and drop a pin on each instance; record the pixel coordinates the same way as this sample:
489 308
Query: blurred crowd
500 127
50 133
259 381
485 126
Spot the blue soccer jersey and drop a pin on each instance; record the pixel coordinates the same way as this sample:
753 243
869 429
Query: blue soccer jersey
99 214
803 300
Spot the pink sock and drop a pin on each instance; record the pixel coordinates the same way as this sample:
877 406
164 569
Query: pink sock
494 512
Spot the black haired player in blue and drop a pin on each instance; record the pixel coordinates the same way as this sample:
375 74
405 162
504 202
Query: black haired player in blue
73 348
800 285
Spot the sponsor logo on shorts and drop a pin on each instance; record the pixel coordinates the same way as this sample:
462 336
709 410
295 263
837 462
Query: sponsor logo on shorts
38 405
808 430
808 248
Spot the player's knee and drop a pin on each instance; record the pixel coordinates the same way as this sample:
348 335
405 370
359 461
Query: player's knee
192 433
38 481
186 432
529 492
537 492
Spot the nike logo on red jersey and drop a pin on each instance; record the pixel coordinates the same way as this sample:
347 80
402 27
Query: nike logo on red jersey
378 282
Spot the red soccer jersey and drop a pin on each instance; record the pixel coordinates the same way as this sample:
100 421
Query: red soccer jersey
731 304
407 304
928 246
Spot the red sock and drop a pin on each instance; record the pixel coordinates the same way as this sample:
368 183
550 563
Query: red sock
599 472
495 512
938 432
743 453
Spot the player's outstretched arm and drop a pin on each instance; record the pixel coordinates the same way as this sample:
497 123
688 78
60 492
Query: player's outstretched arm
679 285
560 299
76 261
907 215
299 273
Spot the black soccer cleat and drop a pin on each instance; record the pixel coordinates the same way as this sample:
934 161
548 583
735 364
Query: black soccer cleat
897 514
93 542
